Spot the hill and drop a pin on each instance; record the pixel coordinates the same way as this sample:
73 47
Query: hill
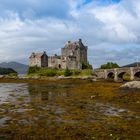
133 65
20 68
6 71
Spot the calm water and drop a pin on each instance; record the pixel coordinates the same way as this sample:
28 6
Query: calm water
42 92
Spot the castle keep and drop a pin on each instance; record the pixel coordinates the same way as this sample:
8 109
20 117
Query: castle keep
72 56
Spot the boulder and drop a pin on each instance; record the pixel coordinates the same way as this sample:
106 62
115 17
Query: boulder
132 85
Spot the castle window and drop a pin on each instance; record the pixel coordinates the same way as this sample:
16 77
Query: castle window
59 66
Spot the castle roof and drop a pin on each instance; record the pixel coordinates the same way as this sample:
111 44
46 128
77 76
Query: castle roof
74 44
37 55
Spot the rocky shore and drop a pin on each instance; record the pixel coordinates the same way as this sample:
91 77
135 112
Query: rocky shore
131 85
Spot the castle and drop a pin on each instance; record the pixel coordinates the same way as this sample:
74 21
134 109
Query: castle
72 56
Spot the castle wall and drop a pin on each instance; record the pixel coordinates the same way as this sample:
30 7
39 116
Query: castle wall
40 60
72 63
83 55
44 61
54 62
76 49
72 56
35 62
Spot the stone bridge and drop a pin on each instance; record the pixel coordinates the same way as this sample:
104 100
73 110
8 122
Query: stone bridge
118 73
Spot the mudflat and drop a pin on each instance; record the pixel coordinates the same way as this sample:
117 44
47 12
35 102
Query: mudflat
68 109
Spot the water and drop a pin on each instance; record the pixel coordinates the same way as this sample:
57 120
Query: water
7 89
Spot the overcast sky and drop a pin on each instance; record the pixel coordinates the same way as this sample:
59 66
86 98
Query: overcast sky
110 28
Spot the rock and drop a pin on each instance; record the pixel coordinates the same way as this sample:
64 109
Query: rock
60 77
87 78
137 102
94 80
93 96
131 85
1 76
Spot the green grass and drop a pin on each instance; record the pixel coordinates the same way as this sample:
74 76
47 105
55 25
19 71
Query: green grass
46 72
87 72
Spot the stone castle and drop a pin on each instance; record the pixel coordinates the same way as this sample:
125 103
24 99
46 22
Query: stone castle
72 56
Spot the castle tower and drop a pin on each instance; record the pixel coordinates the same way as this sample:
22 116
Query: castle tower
74 54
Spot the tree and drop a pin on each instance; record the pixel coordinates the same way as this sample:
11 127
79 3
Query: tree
109 65
33 69
5 71
86 66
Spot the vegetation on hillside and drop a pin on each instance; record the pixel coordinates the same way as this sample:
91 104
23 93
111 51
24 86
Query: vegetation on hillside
18 67
109 65
7 71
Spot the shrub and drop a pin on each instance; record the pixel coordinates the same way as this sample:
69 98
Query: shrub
86 66
67 72
34 69
60 72
13 74
51 72
109 65
47 72
76 72
87 72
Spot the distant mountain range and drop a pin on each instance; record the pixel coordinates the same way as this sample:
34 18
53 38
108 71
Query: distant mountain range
18 67
133 65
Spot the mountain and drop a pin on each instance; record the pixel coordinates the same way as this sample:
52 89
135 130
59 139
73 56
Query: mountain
20 68
136 64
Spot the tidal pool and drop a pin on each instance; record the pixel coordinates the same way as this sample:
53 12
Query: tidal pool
71 109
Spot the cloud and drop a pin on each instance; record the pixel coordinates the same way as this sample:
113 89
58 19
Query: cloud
36 8
111 30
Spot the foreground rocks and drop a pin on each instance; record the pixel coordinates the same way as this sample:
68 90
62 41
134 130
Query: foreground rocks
131 85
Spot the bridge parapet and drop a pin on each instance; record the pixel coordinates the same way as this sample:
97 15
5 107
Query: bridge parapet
118 73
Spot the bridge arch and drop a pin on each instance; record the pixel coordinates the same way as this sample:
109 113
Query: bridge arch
110 75
124 76
137 75
120 75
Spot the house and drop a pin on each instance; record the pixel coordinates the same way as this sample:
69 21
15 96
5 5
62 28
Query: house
38 59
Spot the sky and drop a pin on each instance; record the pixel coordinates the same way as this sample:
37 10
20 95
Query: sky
110 28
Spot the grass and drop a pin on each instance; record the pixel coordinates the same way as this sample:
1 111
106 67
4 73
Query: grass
45 72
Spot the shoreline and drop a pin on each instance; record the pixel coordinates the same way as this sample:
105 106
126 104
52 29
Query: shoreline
56 79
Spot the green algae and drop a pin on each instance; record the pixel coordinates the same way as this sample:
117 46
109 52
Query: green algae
71 109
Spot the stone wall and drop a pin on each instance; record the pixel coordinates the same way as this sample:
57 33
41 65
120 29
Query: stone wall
38 59
44 61
74 50
35 62
54 62
72 56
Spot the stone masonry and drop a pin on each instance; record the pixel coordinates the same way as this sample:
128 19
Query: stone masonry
38 59
118 73
72 56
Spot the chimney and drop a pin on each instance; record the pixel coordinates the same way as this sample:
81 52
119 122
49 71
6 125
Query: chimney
80 40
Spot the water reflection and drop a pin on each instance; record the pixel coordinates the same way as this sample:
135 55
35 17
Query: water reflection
8 90
32 92
40 92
